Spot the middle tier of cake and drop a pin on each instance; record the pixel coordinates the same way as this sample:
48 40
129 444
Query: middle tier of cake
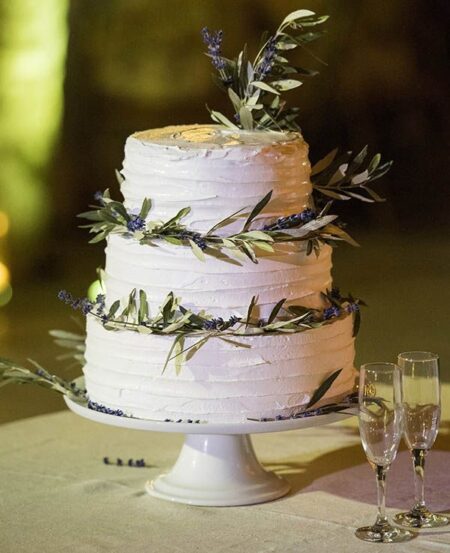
220 286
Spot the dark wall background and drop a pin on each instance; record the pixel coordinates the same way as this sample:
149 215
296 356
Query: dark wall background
136 64
139 64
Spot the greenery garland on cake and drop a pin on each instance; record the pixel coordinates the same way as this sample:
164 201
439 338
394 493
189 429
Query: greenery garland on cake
174 319
336 176
14 373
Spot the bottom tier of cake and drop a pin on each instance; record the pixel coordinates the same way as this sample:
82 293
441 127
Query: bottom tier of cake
262 377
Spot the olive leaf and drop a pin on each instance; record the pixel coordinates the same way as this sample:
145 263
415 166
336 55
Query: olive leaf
345 177
257 210
250 310
275 311
323 388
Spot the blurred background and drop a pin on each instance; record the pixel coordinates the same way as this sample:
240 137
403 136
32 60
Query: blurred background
77 77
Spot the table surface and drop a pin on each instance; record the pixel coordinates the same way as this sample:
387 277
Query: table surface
57 495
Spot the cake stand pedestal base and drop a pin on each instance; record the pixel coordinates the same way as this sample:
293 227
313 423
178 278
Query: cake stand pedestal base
217 465
218 471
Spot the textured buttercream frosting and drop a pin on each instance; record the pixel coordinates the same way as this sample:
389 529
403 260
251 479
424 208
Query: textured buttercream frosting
217 177
276 374
220 287
216 172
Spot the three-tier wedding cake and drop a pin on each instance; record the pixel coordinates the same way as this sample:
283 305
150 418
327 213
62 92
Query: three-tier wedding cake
216 303
230 378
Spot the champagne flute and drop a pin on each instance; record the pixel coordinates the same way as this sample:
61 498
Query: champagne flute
380 427
422 411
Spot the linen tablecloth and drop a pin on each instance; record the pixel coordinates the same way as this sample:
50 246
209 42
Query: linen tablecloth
56 494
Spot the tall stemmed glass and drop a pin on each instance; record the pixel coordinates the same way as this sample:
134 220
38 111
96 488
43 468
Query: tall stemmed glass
380 427
422 411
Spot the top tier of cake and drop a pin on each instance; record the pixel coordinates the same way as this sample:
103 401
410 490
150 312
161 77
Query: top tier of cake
215 171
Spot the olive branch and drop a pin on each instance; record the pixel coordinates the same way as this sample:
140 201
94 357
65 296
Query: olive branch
172 318
255 87
111 217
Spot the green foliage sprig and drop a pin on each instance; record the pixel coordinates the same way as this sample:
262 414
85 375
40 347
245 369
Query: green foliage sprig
11 372
343 176
112 217
255 87
72 344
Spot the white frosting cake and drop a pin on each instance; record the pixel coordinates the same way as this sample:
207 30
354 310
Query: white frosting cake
216 172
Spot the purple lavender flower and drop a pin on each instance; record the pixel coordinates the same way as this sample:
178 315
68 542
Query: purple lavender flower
196 237
233 320
266 63
103 409
100 302
98 197
290 221
135 223
307 215
86 306
213 324
331 312
65 296
213 41
220 324
76 303
352 307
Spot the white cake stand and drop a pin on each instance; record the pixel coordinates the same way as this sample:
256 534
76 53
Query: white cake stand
217 465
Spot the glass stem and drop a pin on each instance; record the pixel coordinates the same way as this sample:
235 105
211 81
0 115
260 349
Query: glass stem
418 456
380 472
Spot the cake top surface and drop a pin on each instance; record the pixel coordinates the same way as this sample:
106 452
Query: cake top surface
212 137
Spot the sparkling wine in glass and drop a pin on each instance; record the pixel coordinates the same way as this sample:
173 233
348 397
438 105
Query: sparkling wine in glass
380 427
422 411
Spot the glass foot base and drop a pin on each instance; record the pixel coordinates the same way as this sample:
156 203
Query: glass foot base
383 533
421 518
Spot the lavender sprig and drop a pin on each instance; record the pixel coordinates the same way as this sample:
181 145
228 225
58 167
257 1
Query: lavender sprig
220 324
196 237
213 41
13 373
331 312
255 87
266 63
82 304
291 221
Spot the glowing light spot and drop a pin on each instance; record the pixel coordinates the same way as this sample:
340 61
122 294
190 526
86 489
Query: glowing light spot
4 277
6 295
94 290
4 224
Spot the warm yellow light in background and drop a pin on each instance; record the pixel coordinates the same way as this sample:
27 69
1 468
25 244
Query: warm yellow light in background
4 224
4 277
32 57
5 286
